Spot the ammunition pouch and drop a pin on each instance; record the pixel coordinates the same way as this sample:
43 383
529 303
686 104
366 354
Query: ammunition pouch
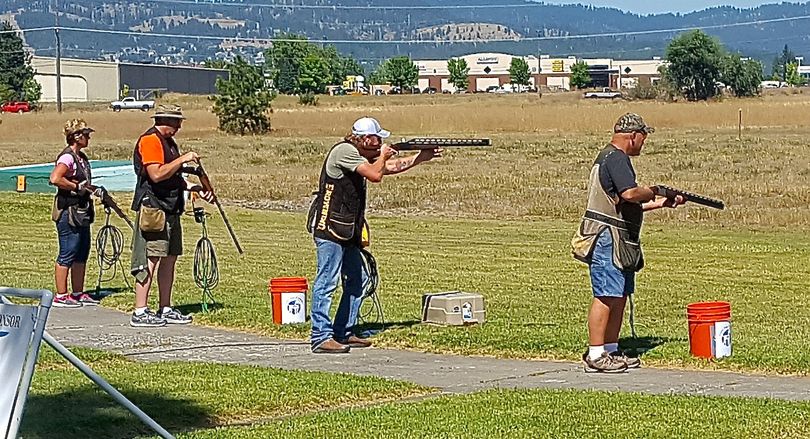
151 219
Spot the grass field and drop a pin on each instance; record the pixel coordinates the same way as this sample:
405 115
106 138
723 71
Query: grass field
496 221
183 396
536 294
546 414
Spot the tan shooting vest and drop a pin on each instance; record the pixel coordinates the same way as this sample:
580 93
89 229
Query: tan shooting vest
622 218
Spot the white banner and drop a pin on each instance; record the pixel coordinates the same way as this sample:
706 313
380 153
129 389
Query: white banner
16 331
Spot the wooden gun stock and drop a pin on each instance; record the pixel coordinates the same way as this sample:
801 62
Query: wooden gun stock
671 193
109 203
421 143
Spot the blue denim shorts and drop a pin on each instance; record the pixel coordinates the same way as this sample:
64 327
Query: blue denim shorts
606 279
74 242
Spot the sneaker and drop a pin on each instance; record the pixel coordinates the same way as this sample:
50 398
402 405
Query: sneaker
84 299
174 317
146 320
604 364
631 362
66 302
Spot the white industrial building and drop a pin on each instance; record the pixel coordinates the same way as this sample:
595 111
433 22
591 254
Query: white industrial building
492 69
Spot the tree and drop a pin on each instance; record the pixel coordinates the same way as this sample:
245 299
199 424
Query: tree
742 76
15 62
313 74
780 64
243 100
32 91
793 77
400 72
579 74
285 59
459 73
695 61
519 73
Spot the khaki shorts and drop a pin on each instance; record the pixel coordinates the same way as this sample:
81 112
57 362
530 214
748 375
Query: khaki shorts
169 242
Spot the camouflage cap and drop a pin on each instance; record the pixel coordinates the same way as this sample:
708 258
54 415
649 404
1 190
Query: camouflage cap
168 112
77 125
632 123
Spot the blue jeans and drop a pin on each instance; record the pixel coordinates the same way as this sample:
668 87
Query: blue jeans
606 279
336 262
74 242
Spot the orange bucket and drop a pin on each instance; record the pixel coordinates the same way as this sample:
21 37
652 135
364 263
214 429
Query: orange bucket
709 329
288 296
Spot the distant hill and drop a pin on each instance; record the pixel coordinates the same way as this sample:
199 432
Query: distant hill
250 20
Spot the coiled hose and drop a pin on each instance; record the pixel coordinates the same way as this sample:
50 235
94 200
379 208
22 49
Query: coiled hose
374 313
109 247
205 268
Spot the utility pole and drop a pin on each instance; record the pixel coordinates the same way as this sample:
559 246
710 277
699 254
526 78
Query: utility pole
58 59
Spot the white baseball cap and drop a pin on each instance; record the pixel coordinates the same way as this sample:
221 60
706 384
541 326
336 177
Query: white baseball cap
368 126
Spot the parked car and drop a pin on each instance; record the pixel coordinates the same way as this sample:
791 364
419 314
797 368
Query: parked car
130 103
430 90
15 107
606 93
493 88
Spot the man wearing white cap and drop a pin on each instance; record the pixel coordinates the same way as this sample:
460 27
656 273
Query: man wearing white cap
336 220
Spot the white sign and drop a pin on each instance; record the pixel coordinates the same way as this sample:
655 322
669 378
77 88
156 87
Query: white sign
293 308
721 343
16 330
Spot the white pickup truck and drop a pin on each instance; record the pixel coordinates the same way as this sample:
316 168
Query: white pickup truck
130 103
606 93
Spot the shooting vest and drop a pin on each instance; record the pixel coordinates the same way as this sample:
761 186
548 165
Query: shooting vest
166 195
337 212
622 218
79 206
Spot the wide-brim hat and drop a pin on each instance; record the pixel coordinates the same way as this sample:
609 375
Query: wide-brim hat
168 112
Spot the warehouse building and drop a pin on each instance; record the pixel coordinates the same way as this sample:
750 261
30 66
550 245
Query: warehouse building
489 70
102 81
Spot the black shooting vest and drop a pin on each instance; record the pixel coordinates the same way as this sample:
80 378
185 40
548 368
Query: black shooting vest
66 198
338 211
166 195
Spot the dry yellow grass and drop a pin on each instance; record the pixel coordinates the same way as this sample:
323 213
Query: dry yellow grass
538 166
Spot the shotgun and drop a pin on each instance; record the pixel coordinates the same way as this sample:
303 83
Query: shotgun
421 143
206 184
671 193
109 203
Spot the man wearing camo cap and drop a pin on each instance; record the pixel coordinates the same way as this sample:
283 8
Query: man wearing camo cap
608 240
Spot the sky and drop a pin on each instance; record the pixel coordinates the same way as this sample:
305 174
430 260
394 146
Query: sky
658 6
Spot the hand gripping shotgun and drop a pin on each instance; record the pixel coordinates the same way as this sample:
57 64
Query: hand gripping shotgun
421 143
206 184
671 193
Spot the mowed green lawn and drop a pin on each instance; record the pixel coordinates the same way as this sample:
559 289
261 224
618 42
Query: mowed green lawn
545 414
183 396
536 294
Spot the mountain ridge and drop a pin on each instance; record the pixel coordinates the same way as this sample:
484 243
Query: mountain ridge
249 19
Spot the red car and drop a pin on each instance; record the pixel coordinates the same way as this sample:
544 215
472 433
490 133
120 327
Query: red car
15 107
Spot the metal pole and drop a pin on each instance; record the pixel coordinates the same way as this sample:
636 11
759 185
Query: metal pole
58 59
112 391
47 297
45 300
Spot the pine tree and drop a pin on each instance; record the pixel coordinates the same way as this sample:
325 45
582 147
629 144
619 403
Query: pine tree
15 63
243 100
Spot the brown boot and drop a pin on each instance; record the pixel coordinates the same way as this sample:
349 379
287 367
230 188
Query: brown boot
331 347
356 342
